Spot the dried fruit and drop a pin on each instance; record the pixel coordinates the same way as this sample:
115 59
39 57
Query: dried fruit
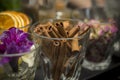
12 18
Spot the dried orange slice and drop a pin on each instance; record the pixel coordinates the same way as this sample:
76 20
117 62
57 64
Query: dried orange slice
7 21
23 20
14 19
26 21
18 18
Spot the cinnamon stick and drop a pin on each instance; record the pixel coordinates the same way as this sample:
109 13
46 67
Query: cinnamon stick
66 24
75 45
60 29
74 31
39 30
54 29
60 61
85 30
56 43
51 32
56 32
56 55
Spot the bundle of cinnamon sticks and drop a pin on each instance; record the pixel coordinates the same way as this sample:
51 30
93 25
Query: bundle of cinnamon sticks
63 44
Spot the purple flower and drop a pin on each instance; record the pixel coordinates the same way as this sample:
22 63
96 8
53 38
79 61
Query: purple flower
106 28
13 41
101 32
113 29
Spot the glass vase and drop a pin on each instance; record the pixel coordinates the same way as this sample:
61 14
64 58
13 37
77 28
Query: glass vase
62 48
19 66
99 50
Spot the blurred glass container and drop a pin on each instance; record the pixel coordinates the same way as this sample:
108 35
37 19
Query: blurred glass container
112 9
26 65
87 9
19 66
63 14
75 13
116 46
97 10
53 9
46 14
45 9
80 9
61 10
99 50
30 7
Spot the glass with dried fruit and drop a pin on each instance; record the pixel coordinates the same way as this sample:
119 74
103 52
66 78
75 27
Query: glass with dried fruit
17 55
62 47
99 50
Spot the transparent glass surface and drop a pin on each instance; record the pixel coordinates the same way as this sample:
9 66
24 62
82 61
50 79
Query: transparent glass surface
26 67
21 66
99 50
61 52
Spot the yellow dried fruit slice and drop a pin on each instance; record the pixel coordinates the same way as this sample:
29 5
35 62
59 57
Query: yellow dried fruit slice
15 15
26 21
14 19
7 21
25 18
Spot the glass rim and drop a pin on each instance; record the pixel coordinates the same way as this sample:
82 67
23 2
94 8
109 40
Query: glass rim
100 22
64 19
18 54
